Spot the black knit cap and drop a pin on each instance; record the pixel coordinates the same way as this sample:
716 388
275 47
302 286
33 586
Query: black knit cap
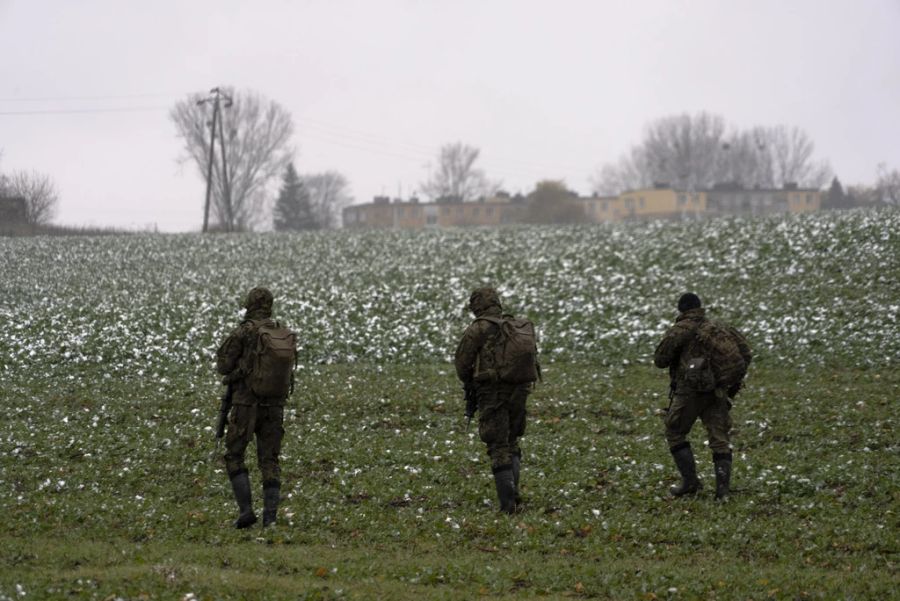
688 301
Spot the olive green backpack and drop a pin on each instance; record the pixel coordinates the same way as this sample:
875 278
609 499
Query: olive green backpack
715 359
514 349
272 360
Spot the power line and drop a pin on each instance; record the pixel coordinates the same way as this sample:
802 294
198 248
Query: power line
68 98
137 109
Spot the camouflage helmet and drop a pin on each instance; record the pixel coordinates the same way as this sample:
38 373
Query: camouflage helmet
259 299
482 299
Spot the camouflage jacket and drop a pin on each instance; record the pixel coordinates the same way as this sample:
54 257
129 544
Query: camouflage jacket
233 360
676 341
472 359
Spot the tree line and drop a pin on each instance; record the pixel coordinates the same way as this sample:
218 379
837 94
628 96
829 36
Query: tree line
683 151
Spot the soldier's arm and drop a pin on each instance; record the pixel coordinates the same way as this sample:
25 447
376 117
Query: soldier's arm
472 340
743 346
670 346
229 354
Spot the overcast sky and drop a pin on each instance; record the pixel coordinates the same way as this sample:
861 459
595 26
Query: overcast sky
546 89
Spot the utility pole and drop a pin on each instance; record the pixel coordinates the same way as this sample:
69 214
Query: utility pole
225 186
216 96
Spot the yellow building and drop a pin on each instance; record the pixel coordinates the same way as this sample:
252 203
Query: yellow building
659 202
662 203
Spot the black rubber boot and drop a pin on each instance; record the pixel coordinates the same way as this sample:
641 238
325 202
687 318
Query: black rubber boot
722 461
271 497
506 489
240 484
684 460
517 468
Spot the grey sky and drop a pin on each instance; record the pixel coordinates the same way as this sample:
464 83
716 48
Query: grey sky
546 90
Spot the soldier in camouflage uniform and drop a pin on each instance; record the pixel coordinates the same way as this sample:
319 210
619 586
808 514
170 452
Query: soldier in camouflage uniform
713 408
501 406
262 417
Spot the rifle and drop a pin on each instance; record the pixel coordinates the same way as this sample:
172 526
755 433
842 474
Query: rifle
671 394
224 408
471 403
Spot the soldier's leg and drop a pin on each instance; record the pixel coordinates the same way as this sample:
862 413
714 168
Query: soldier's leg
269 434
679 421
517 415
241 424
717 419
493 428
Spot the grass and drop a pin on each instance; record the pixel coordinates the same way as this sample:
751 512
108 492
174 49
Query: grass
113 491
111 487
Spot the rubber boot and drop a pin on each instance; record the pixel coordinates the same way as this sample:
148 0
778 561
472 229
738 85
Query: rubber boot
506 489
271 497
684 460
240 484
722 461
517 468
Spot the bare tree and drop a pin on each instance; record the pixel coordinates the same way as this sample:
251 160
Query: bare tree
744 159
329 193
39 192
456 178
888 185
792 158
696 151
613 179
257 135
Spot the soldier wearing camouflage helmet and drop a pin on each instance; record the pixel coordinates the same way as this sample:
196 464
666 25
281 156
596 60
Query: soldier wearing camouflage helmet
252 413
706 362
500 397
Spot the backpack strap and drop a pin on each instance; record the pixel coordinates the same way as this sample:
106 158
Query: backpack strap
495 320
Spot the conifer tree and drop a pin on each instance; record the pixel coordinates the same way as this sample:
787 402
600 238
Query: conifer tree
293 209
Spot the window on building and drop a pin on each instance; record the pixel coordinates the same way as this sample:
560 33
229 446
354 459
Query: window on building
605 205
431 220
641 202
476 211
459 211
682 200
489 211
445 210
400 211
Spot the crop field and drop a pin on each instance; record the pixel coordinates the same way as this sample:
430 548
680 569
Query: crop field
112 488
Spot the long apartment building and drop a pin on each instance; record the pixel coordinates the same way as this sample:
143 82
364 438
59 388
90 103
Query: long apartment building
659 202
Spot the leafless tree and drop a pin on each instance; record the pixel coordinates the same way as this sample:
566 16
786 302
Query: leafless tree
888 185
39 192
329 193
456 177
792 158
257 149
613 179
697 151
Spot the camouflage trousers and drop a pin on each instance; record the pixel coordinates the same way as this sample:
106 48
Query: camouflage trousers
501 420
713 411
266 422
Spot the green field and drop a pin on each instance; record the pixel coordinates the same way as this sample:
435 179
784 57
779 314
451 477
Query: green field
111 487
